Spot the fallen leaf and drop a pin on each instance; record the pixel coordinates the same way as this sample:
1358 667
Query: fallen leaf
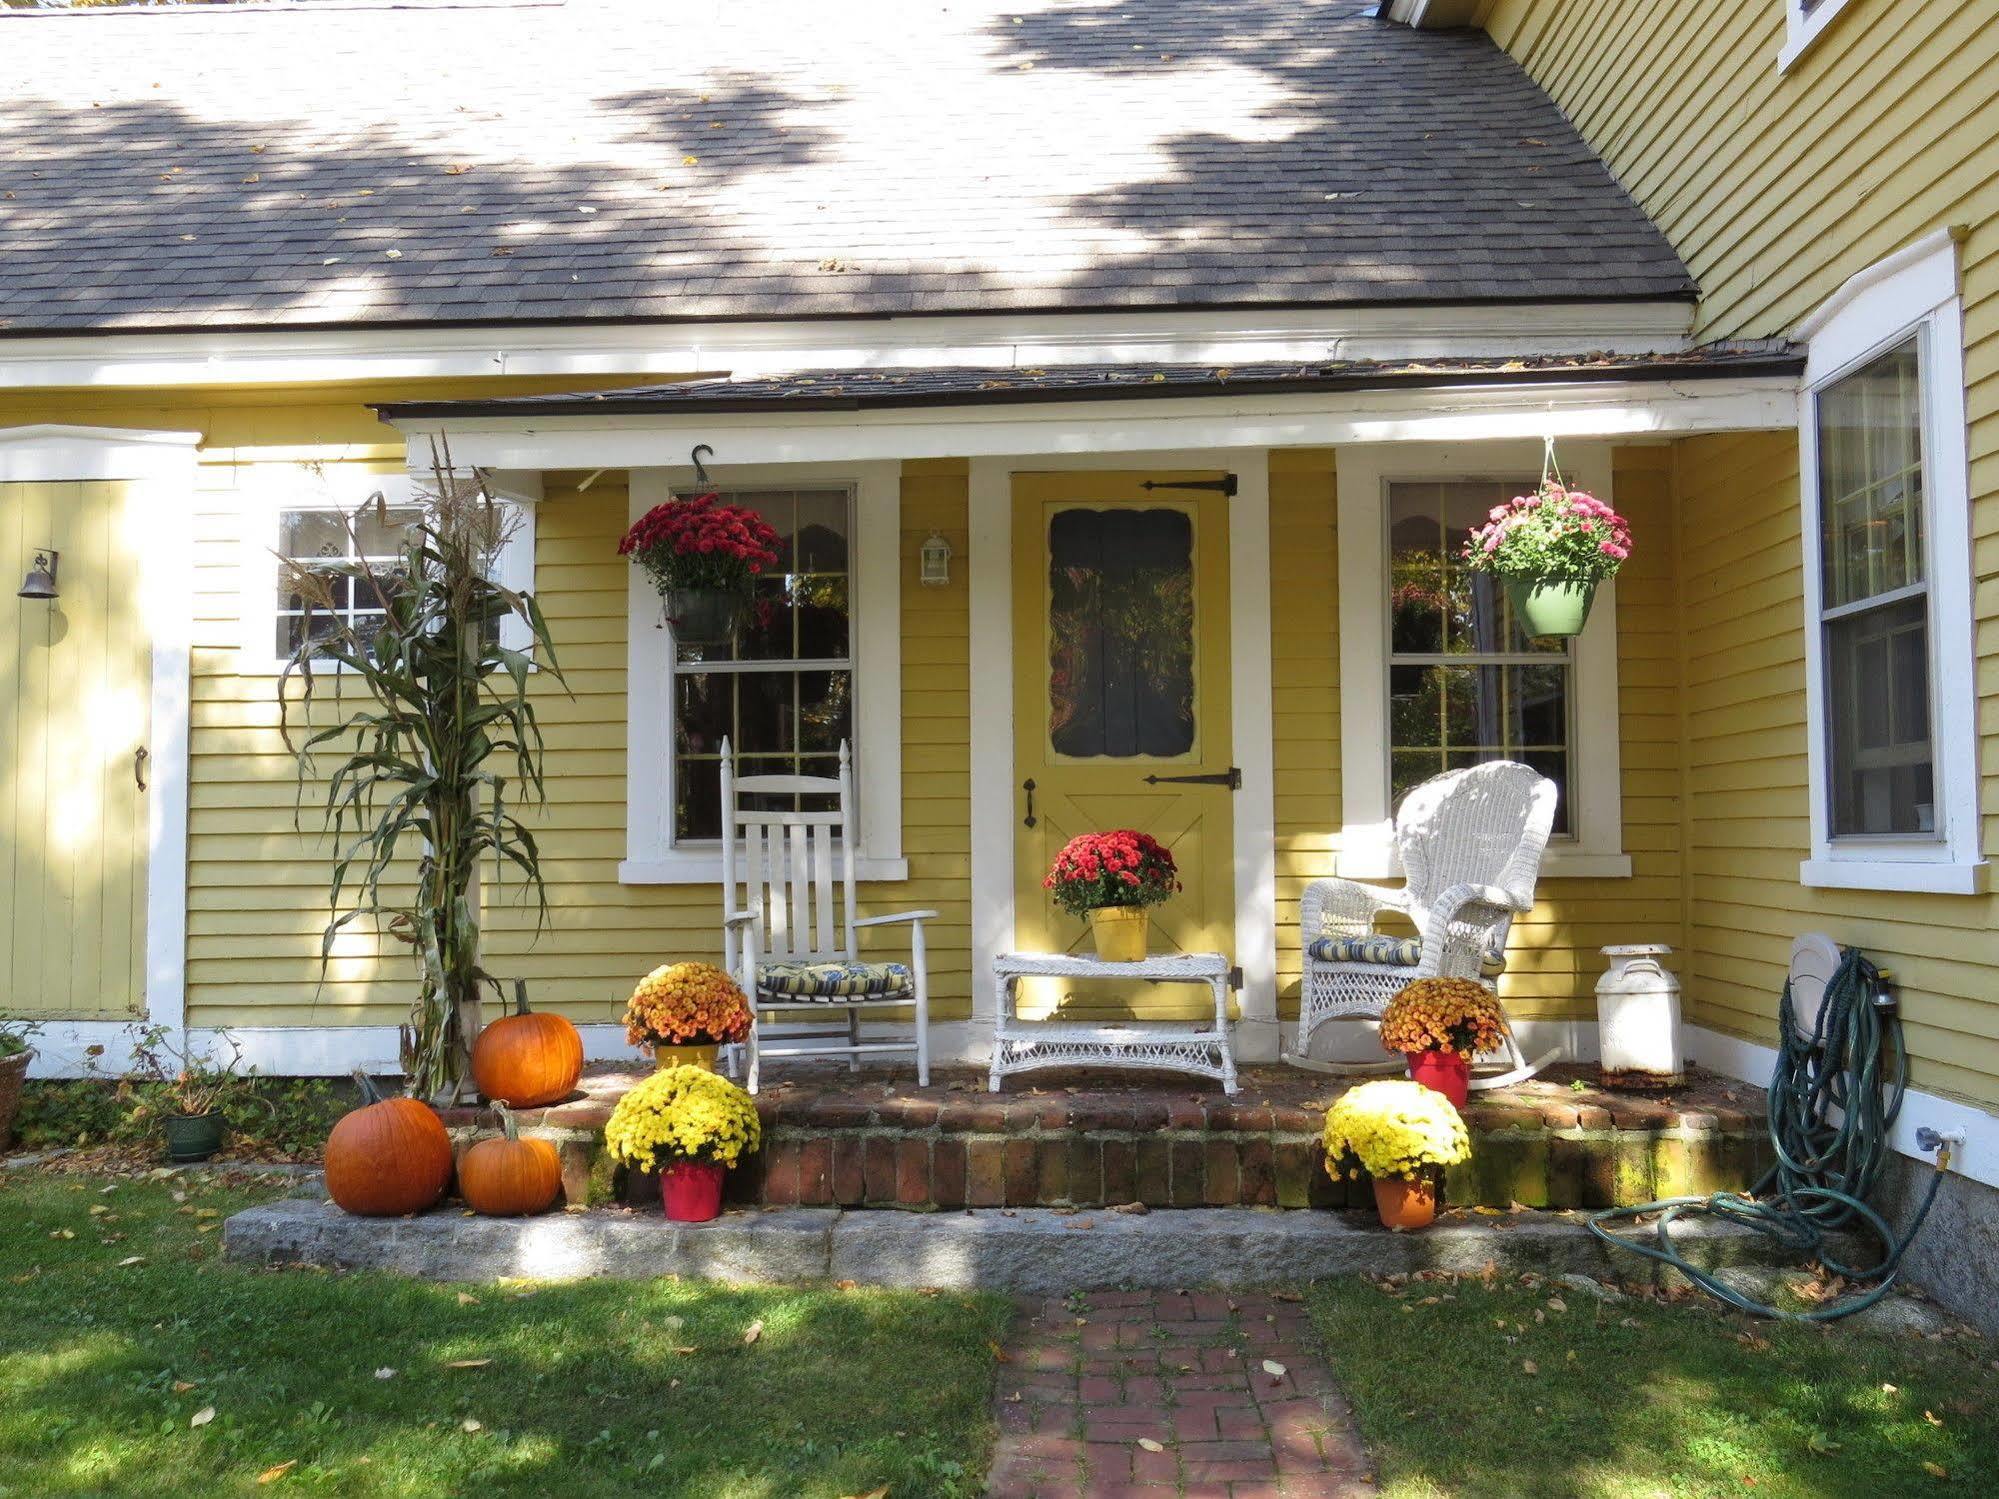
1932 1418
1000 1355
385 1374
845 1285
130 1260
1820 1443
1936 1470
466 1298
202 1417
469 1425
1150 1445
687 1348
1274 1369
1528 1366
1285 1296
1556 1304
468 1363
880 1493
274 1473
754 1331
181 1387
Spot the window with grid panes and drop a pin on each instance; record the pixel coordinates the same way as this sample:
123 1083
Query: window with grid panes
1465 683
1874 608
782 693
321 535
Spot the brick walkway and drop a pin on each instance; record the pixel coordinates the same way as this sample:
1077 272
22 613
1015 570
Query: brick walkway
1090 1378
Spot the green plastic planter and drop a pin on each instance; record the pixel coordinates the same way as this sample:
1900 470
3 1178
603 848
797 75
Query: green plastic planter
193 1137
1547 609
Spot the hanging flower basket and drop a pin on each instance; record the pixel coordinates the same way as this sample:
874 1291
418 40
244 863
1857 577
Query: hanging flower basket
1551 548
704 558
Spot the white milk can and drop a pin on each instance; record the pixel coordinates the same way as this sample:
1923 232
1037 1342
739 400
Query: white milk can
1638 1019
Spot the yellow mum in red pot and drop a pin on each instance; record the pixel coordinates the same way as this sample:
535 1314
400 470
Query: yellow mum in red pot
1440 1025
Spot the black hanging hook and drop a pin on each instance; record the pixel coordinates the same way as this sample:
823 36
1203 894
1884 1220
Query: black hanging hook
700 472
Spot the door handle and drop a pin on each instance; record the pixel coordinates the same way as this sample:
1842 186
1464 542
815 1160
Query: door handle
1028 786
1231 778
139 758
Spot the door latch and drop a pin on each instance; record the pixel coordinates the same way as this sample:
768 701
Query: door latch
1028 786
1231 778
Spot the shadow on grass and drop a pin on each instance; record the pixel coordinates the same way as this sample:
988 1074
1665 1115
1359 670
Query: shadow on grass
1462 1389
590 1388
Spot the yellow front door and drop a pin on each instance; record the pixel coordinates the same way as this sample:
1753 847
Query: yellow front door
74 712
1121 694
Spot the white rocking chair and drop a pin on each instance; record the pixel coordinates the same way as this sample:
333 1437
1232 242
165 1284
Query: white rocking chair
785 939
1471 843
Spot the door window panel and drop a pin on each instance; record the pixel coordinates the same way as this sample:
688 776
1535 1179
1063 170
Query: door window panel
1121 633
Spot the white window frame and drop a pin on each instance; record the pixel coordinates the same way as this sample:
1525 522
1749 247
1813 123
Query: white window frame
652 857
1803 25
1912 292
271 490
1595 847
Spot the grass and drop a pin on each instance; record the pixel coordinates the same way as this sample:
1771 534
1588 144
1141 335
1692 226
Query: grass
593 1388
1641 1400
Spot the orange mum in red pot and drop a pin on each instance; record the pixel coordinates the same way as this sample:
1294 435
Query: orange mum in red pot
1440 1024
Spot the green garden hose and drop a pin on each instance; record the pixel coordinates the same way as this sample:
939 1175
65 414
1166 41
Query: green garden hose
1831 1107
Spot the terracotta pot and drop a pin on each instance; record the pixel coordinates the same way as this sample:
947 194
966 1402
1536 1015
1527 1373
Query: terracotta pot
1550 609
692 1190
685 1056
1120 932
13 1072
1445 1072
1405 1205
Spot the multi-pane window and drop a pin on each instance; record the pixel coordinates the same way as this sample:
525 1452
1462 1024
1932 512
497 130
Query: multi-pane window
1465 683
322 535
1875 605
782 691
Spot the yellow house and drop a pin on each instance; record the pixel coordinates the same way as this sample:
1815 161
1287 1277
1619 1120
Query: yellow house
1331 277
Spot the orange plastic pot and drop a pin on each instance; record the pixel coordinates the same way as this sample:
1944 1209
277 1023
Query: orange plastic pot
1405 1205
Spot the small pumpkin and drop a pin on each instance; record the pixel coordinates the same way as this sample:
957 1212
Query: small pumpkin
508 1177
389 1157
527 1060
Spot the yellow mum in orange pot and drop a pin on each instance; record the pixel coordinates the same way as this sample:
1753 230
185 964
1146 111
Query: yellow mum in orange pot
1440 1024
683 1012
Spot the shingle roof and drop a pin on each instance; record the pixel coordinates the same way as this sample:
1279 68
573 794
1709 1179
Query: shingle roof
614 159
861 389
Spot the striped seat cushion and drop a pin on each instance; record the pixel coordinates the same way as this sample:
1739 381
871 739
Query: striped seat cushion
1378 947
834 981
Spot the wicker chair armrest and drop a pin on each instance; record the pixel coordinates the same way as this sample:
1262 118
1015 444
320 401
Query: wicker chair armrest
1465 922
1342 907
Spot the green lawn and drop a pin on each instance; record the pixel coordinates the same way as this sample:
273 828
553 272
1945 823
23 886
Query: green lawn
596 1388
1633 1400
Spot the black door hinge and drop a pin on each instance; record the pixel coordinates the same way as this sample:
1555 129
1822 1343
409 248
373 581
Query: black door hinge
1231 778
1224 485
1235 980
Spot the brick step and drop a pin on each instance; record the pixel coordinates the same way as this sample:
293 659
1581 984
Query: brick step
1092 1140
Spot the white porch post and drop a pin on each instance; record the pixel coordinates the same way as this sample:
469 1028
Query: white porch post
989 524
1255 804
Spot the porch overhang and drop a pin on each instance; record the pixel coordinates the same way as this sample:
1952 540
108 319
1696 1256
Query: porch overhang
867 415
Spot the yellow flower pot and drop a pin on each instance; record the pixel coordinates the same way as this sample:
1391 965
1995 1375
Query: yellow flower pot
685 1056
1120 932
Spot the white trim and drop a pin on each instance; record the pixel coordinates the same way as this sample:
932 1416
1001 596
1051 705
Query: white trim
989 580
1216 336
990 575
1802 28
1977 1158
874 585
1253 737
1915 290
55 453
1069 430
1366 846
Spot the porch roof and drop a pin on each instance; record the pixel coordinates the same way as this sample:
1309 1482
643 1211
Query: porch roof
888 389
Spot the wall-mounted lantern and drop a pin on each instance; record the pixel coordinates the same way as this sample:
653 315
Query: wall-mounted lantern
936 572
41 580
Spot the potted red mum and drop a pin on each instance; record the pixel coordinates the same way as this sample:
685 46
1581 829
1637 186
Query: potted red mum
1110 879
704 557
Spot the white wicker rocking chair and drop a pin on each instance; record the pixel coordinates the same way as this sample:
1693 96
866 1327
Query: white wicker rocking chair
1471 843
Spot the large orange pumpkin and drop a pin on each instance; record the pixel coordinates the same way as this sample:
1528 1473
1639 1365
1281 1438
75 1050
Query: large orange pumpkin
389 1157
527 1060
508 1177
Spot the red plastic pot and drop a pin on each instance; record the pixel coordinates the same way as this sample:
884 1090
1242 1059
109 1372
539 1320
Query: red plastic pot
1445 1072
692 1190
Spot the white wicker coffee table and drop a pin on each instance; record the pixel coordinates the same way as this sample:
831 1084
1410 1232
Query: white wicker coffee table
1176 1046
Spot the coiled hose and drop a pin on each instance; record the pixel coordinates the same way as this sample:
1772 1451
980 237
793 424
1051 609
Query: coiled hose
1831 1107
